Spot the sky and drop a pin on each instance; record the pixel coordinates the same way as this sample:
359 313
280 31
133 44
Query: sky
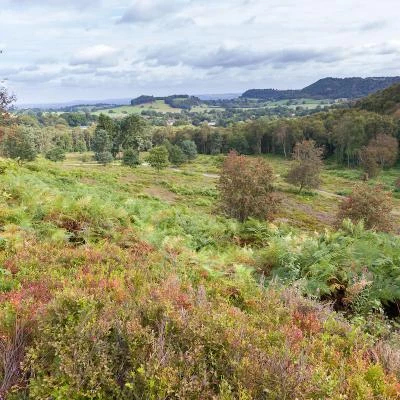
57 50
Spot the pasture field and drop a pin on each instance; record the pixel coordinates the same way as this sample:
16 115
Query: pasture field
158 105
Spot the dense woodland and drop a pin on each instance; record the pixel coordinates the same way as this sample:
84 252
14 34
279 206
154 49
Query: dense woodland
343 133
327 88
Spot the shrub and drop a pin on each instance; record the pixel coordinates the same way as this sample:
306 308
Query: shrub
130 158
176 155
246 188
158 157
369 204
104 157
56 154
85 157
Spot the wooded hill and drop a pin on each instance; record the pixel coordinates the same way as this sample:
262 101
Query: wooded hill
183 101
385 101
327 88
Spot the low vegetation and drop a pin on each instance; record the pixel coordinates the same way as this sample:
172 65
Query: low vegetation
216 279
148 299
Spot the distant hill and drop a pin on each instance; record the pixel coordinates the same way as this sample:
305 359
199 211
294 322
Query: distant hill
327 88
385 101
218 96
183 101
72 104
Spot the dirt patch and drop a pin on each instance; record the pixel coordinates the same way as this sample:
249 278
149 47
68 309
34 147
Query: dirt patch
88 181
162 194
127 179
306 214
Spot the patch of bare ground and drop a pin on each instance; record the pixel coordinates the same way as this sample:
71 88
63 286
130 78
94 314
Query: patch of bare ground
305 214
88 181
162 194
126 179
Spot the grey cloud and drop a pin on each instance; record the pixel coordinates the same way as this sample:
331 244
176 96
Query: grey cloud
238 57
179 22
250 21
146 11
373 26
80 4
35 77
378 49
30 68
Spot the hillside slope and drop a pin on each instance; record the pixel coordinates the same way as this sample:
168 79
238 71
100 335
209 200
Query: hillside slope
327 88
385 101
146 297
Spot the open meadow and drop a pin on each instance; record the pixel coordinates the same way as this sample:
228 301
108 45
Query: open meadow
123 111
194 185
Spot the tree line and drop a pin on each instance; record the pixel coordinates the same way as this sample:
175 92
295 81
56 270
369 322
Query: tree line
343 134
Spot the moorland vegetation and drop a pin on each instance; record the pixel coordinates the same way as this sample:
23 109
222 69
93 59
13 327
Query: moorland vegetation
266 272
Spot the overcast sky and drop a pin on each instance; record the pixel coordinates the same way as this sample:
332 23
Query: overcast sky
57 50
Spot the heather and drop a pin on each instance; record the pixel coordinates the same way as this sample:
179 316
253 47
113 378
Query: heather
117 283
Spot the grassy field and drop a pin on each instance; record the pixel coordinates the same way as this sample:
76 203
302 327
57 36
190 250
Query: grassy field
158 105
308 104
313 210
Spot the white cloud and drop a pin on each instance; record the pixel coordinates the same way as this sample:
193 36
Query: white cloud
76 48
100 55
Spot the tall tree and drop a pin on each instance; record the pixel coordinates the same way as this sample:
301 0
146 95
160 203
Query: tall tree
102 146
107 124
349 135
307 165
134 134
19 144
189 148
246 188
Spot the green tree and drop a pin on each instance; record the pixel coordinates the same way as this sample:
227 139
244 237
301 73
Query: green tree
349 135
307 165
134 133
189 148
246 188
101 141
238 142
158 157
130 158
20 144
107 124
215 143
56 154
176 155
